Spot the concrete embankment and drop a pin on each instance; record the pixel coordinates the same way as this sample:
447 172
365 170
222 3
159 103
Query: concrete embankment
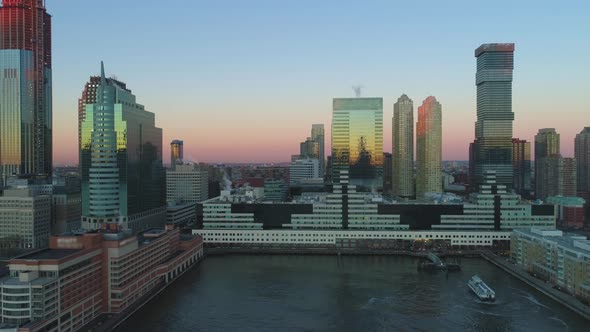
567 300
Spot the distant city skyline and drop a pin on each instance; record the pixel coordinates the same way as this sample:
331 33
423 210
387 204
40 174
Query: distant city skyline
271 70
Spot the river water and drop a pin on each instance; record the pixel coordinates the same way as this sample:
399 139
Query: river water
351 293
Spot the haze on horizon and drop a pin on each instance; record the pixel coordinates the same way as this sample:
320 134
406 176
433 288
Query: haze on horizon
244 81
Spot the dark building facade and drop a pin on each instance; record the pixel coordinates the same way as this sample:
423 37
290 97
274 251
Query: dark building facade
492 148
25 89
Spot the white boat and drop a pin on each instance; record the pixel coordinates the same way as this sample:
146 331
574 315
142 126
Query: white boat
483 291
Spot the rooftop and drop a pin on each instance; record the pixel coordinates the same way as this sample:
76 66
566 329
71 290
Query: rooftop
49 254
495 47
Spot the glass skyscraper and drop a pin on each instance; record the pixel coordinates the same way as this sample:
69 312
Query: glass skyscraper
176 153
429 148
317 134
121 161
25 89
403 148
492 148
357 141
521 163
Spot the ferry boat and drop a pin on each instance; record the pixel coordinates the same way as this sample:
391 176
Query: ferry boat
483 291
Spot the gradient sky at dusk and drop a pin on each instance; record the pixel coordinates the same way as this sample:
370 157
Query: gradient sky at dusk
242 81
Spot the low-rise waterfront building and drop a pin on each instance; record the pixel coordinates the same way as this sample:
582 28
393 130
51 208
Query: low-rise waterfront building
562 259
493 208
328 219
81 277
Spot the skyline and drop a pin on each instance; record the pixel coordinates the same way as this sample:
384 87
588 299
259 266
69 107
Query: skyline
284 64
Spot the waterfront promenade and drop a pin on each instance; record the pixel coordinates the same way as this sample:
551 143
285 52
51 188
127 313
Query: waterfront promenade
565 299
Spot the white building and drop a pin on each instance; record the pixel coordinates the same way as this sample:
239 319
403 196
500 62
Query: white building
495 209
303 169
187 183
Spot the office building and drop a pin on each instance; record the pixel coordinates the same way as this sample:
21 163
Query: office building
546 145
187 183
492 148
562 259
25 217
357 141
558 175
181 213
66 214
582 155
94 275
25 89
309 149
403 148
317 134
522 166
429 148
122 175
176 153
303 169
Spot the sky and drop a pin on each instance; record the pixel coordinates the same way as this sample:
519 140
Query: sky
242 81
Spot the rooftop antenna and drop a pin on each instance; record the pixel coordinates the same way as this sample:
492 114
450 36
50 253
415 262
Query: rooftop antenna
357 90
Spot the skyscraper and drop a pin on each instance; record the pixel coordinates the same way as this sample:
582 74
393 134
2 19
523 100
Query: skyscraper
403 148
25 89
176 153
582 153
357 141
521 162
317 134
546 145
429 148
492 148
121 161
387 173
309 149
559 177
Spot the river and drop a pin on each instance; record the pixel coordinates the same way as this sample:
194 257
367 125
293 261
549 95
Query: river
351 293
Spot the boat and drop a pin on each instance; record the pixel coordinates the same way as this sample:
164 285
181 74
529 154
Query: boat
483 291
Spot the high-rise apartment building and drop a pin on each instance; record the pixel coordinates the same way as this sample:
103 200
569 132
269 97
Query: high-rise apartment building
187 183
582 154
317 134
176 153
121 161
25 89
403 148
546 145
559 177
429 148
492 148
521 163
357 140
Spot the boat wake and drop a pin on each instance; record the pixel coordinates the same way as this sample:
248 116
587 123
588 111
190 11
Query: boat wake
560 321
534 300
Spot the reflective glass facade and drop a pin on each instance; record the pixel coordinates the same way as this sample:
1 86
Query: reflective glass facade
25 89
317 134
121 155
357 140
492 148
582 154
